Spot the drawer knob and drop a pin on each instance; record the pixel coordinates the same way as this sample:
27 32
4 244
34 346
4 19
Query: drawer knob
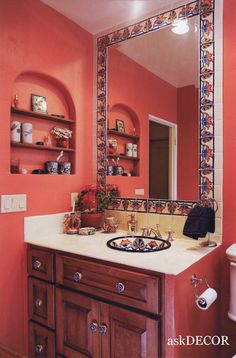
102 329
77 276
93 326
37 264
120 287
38 348
38 302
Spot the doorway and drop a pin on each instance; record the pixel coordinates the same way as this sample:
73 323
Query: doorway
162 159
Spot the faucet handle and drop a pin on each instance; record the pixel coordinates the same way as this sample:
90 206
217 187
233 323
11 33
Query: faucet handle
159 235
144 230
170 237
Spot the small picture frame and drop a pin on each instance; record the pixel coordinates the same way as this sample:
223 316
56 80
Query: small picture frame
39 103
120 126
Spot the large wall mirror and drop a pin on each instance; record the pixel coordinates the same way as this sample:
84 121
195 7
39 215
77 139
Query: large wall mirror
155 110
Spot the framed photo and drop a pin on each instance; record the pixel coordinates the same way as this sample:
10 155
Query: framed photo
120 126
39 103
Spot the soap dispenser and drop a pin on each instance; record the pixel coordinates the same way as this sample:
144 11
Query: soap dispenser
132 225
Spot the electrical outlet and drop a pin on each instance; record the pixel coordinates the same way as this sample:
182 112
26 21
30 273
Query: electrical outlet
73 198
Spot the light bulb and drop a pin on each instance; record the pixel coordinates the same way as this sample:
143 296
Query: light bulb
180 27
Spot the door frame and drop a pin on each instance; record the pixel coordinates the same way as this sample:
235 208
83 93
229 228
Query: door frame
172 182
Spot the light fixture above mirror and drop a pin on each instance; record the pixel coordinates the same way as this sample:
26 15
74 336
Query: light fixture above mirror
205 11
180 27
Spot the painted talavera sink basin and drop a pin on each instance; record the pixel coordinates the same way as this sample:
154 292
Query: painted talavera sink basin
139 244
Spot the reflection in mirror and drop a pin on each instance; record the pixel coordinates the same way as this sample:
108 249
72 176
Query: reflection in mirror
152 90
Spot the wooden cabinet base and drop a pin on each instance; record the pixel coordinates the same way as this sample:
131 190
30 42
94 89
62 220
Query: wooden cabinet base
79 308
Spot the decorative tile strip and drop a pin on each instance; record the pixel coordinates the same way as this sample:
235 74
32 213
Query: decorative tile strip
129 204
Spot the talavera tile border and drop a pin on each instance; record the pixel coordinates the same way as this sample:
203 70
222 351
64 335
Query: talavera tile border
205 10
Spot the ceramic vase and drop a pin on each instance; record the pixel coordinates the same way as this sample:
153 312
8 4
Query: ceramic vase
62 143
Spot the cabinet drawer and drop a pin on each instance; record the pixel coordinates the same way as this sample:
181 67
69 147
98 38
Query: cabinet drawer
41 342
129 288
41 302
40 264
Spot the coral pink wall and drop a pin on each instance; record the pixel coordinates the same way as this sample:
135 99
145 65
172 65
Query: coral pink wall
187 185
146 94
229 178
188 319
34 38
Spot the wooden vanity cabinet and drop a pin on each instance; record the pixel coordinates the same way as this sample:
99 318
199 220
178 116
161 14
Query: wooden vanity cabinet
89 314
96 329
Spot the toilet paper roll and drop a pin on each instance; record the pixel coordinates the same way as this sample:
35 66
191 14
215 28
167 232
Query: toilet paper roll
205 300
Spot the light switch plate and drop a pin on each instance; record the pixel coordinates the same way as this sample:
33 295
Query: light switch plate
139 191
13 203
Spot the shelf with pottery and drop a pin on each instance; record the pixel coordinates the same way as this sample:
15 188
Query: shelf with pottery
44 140
120 149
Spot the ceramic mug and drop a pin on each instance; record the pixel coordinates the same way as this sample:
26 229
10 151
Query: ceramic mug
51 167
64 167
110 170
135 150
129 149
118 170
27 133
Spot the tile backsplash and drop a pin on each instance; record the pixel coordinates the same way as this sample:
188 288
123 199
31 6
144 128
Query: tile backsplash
176 223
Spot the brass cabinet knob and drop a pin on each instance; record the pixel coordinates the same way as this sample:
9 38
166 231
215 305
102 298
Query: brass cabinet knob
38 302
93 326
77 276
102 329
120 287
38 348
37 264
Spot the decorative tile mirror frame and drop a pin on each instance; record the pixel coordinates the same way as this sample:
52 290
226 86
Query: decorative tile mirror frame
205 10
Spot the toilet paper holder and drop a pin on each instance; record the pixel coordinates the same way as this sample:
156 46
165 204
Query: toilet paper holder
205 300
195 281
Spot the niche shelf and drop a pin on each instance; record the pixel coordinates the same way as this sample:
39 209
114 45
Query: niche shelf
31 156
122 157
121 134
131 123
39 115
41 147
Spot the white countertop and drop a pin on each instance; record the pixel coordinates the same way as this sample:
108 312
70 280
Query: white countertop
46 231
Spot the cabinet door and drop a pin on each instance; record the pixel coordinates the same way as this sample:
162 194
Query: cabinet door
41 342
131 335
41 302
77 325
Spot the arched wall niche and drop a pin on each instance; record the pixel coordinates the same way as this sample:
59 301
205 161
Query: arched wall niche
58 97
125 113
59 103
